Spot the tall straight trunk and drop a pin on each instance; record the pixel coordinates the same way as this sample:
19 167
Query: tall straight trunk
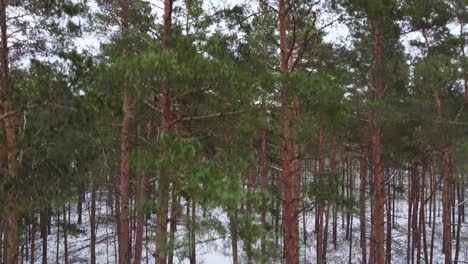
433 199
377 148
410 216
164 181
350 254
1 237
421 217
65 235
92 221
414 221
264 182
290 194
192 242
327 213
234 231
447 240
57 241
362 202
320 201
459 222
124 238
173 220
141 187
388 246
33 239
10 127
43 225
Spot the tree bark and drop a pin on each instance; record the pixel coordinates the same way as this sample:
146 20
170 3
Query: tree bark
43 225
164 182
377 148
92 221
362 202
10 127
65 234
124 238
264 182
447 240
141 187
290 194
320 200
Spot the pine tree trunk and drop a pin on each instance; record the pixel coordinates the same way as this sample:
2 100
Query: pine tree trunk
377 149
57 241
388 246
290 202
193 245
141 187
65 235
92 221
234 232
124 237
320 202
161 220
362 202
264 182
81 195
33 239
447 248
459 222
433 191
43 225
173 220
10 128
421 216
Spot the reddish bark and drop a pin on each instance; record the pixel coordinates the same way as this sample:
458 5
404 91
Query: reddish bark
320 202
362 202
264 182
447 241
377 148
290 202
124 238
164 181
141 186
10 127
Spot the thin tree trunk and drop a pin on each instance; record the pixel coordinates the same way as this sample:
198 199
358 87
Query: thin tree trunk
173 220
234 230
141 187
264 182
43 224
447 248
421 219
57 241
388 246
81 195
459 222
65 235
193 245
92 221
320 202
433 190
362 202
33 239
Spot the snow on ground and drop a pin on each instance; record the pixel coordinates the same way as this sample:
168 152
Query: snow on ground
218 249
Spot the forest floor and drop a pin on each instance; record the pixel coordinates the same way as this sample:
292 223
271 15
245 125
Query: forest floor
213 244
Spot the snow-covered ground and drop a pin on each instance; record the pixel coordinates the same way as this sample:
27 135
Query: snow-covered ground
218 249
